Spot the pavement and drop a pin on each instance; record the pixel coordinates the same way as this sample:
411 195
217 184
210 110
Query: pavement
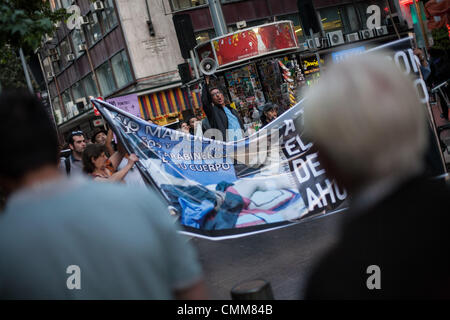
284 257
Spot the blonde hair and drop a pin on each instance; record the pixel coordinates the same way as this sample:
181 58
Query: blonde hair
367 116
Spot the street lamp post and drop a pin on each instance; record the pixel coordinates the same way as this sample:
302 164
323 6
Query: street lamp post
217 17
25 70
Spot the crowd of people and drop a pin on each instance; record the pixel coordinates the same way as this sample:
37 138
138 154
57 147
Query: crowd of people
124 241
97 158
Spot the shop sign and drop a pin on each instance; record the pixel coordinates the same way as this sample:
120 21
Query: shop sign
345 54
310 65
253 42
98 122
128 103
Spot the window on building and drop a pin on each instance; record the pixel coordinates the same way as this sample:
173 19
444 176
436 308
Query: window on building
56 67
78 93
77 39
296 22
109 18
331 18
66 3
67 101
93 31
90 86
65 49
57 111
185 4
56 60
46 63
352 19
346 18
204 36
106 79
121 68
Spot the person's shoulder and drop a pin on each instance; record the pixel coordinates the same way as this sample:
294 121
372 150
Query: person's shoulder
136 194
62 162
118 188
117 199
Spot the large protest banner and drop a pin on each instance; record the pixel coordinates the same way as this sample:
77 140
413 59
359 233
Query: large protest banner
220 190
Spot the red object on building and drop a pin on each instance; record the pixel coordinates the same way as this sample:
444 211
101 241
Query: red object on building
236 46
406 2
96 112
260 40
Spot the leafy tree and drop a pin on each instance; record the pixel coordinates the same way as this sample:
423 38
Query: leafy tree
441 39
23 24
11 72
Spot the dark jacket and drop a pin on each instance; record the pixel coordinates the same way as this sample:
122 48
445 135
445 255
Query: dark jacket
264 120
406 234
216 115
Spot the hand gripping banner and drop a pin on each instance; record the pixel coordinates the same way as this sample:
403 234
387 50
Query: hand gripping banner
221 190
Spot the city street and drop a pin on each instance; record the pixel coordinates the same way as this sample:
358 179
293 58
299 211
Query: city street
283 257
131 122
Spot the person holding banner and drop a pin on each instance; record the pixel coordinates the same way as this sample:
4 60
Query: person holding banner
221 116
184 127
95 164
195 127
370 128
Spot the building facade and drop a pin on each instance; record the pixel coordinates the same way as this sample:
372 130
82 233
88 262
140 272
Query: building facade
282 77
129 48
118 48
345 15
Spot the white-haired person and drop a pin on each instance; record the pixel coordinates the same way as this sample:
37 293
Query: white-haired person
365 119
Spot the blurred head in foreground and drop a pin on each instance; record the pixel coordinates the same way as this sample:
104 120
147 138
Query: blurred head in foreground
367 122
32 143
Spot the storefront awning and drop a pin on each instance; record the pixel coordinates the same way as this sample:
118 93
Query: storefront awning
162 103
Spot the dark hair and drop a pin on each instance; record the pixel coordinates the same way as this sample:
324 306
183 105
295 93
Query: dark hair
73 134
269 106
92 151
30 137
214 88
96 132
